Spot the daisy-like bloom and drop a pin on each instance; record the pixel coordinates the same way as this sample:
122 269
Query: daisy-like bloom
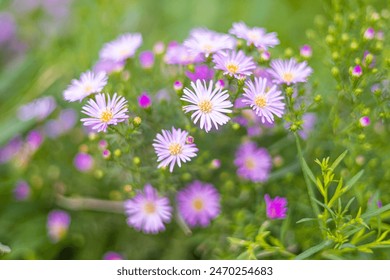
198 204
205 42
38 109
178 54
253 163
104 113
58 222
256 36
208 103
234 63
147 211
88 83
265 101
276 208
289 71
171 147
121 48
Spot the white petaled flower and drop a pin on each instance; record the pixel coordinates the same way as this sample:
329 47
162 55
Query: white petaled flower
88 83
234 63
256 36
173 148
289 71
104 113
208 104
121 48
265 101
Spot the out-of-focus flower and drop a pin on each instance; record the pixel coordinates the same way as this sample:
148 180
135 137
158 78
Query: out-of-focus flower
309 120
34 139
65 121
121 48
38 109
265 101
206 42
220 84
158 48
202 72
276 208
364 121
357 71
83 162
198 203
8 151
265 55
8 27
177 85
58 222
147 211
306 51
289 71
21 190
234 64
144 100
104 112
256 36
178 54
108 66
253 163
171 148
215 163
112 256
146 59
88 83
208 103
369 34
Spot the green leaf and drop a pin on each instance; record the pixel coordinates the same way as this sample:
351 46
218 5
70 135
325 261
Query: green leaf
338 160
306 220
308 172
353 180
315 249
376 212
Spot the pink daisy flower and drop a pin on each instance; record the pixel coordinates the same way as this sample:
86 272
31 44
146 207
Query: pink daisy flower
104 113
171 147
121 48
256 36
265 101
147 211
234 63
88 83
198 204
289 71
276 208
205 42
208 103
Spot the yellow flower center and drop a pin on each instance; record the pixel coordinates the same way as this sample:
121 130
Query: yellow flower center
198 204
175 149
232 67
288 77
106 116
250 163
207 48
205 106
260 101
149 208
254 36
87 88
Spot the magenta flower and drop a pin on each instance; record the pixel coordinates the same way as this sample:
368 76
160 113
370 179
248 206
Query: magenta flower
254 36
121 48
147 211
233 63
146 59
198 204
289 71
265 101
58 222
21 191
202 72
369 34
144 100
208 104
177 85
171 147
88 83
306 51
205 42
104 112
276 208
112 256
83 162
34 139
357 71
37 109
364 121
253 163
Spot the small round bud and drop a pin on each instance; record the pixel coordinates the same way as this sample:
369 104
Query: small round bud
136 160
354 45
190 140
83 148
159 48
318 98
288 52
177 86
106 154
117 153
306 51
361 137
369 34
289 91
102 144
357 71
235 126
215 164
137 121
329 39
364 121
335 56
358 91
335 71
98 173
345 37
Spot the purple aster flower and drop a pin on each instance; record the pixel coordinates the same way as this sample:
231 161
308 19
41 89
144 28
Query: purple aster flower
58 127
148 211
364 121
144 100
83 162
21 190
38 109
306 51
8 27
289 71
357 71
220 84
198 204
309 120
88 83
112 256
265 101
253 163
255 36
206 42
104 112
276 208
171 148
146 59
34 139
215 163
208 103
8 151
369 34
202 72
58 222
178 54
108 66
121 48
234 63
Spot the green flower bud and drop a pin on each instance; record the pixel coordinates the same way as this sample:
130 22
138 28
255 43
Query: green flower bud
136 160
354 45
117 153
329 39
288 52
345 37
335 71
235 126
98 173
137 121
335 56
358 91
318 98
